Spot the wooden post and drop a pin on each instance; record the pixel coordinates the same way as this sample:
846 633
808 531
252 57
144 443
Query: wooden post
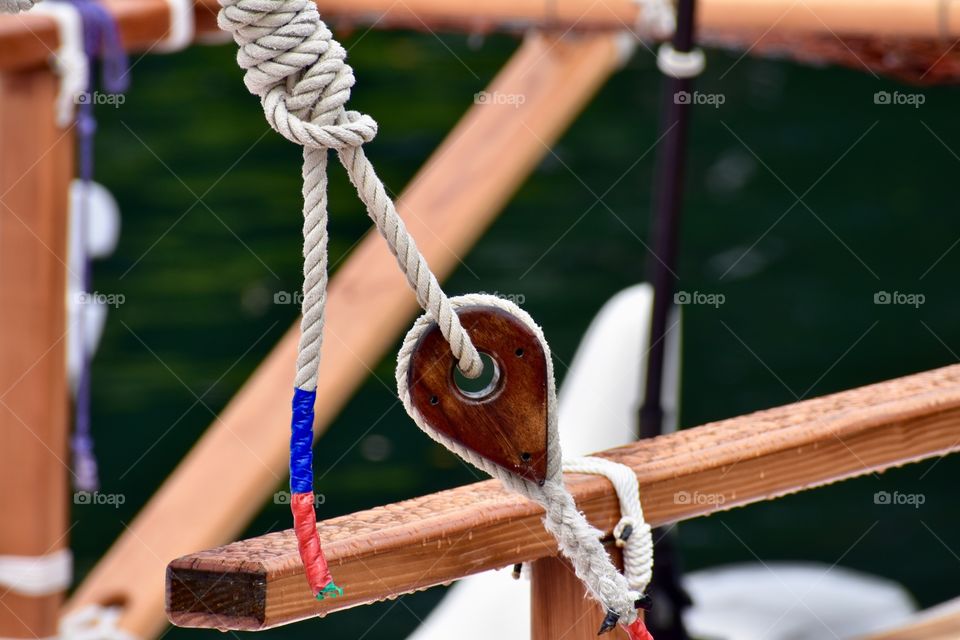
560 607
36 164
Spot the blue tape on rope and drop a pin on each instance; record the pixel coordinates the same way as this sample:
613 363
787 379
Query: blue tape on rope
301 442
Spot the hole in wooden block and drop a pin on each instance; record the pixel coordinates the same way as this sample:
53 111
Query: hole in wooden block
483 385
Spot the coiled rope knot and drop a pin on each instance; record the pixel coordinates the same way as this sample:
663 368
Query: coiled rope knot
16 6
298 70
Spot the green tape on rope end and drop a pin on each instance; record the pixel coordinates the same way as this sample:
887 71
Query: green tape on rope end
330 591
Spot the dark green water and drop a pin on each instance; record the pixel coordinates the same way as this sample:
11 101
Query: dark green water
878 184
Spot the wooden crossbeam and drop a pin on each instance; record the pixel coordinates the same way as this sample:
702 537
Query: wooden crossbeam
447 206
396 549
939 623
27 41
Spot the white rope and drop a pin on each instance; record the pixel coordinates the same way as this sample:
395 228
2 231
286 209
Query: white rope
93 622
296 67
37 575
632 533
657 19
577 539
70 61
680 64
182 28
16 6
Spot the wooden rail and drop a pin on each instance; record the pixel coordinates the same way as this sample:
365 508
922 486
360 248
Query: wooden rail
36 167
399 548
27 41
939 623
447 206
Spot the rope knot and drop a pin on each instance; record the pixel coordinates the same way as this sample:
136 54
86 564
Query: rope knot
298 70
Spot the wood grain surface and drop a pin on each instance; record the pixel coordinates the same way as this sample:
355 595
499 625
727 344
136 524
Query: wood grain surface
26 41
36 167
399 548
507 424
560 608
939 623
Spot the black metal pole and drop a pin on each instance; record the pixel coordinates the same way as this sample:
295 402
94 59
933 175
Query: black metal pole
669 598
665 221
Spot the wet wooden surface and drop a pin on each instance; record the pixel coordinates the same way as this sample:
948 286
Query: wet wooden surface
507 423
399 548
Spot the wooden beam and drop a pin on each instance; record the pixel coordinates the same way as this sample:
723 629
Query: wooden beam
447 207
36 166
28 40
939 623
387 551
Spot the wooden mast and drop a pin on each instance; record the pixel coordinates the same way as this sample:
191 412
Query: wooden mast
36 167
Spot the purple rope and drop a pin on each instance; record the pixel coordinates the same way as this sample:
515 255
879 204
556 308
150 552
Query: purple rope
101 39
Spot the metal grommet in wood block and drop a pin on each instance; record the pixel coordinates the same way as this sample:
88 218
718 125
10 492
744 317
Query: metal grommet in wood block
506 422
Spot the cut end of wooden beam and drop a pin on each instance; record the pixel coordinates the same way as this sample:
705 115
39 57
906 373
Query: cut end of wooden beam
217 599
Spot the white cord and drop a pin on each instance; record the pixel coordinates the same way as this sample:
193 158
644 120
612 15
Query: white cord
70 61
657 19
632 533
16 6
576 538
679 64
93 622
37 575
182 27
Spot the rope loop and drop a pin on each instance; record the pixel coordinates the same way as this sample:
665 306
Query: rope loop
632 532
37 575
93 622
300 72
16 6
680 64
